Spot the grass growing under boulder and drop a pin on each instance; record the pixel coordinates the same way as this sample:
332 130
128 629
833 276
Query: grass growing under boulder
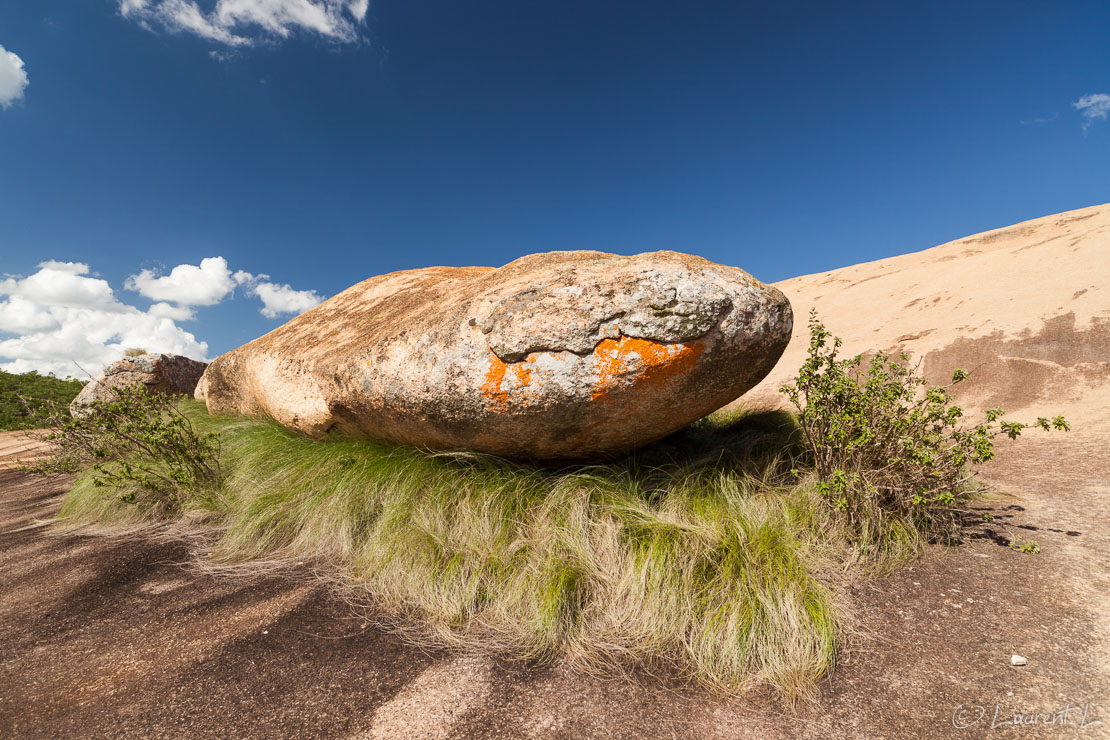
702 552
718 552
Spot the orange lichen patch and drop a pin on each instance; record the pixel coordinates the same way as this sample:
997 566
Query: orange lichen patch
653 363
497 397
491 389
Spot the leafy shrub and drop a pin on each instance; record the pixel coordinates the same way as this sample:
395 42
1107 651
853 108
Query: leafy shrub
885 442
139 444
134 352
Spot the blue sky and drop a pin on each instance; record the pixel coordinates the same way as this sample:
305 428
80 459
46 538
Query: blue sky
314 143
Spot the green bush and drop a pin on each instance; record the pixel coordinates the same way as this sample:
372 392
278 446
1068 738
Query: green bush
138 445
885 442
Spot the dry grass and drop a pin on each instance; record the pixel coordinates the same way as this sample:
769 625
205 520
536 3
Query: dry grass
702 552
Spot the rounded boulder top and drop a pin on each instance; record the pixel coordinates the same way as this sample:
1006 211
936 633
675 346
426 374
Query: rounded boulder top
161 373
561 355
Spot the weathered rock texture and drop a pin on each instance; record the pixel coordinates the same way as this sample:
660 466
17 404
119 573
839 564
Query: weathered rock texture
163 373
1025 308
554 356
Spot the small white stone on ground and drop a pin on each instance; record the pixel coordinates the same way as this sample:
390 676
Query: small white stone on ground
1017 660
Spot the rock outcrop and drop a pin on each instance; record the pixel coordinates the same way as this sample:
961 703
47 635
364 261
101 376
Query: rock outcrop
172 374
561 355
1025 308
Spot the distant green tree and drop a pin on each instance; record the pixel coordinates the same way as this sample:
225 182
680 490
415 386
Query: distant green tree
27 399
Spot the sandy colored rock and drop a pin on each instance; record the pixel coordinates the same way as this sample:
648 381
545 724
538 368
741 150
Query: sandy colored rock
23 447
78 654
1025 308
431 705
557 355
163 373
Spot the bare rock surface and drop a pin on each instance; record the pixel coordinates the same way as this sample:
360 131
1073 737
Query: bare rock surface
163 373
1025 308
123 637
430 706
22 447
554 356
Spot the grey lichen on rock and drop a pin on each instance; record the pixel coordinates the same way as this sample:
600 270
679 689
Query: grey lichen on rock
576 317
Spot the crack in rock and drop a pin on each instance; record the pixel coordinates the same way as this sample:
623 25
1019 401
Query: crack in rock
661 308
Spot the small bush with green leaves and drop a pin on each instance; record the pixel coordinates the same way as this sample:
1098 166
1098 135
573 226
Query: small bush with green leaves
885 442
139 445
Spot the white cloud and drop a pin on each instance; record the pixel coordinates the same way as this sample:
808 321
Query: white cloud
66 322
209 283
61 284
184 15
231 22
74 268
187 285
277 299
1094 107
1039 120
13 78
282 299
62 317
177 313
20 315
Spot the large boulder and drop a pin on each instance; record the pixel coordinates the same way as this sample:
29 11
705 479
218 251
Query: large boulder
561 355
172 374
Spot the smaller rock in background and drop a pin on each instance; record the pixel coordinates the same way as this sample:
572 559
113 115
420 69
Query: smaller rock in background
172 374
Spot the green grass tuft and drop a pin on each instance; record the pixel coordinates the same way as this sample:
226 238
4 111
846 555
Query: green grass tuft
702 552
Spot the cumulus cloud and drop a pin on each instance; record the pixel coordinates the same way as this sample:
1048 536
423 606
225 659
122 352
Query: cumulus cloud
62 284
205 284
209 283
21 316
277 299
1095 107
177 313
65 321
282 299
238 22
13 78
